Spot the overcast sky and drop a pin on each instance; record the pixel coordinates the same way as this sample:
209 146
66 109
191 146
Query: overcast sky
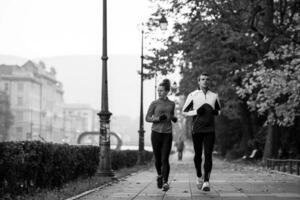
39 28
45 28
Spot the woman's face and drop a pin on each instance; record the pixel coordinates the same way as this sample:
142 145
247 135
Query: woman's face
162 93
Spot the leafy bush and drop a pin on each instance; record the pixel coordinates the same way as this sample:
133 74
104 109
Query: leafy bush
26 166
127 158
29 165
272 85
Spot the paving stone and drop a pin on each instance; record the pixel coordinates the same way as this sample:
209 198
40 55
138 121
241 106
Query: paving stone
227 183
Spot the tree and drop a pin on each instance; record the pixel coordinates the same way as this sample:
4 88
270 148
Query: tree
273 87
221 37
274 24
208 40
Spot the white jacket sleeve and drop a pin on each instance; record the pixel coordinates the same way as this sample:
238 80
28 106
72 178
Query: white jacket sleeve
187 108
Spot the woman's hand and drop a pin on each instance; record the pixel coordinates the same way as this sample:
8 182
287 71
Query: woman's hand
162 117
155 119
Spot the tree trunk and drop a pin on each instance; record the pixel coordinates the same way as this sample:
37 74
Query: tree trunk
254 123
277 132
269 142
272 142
246 128
268 25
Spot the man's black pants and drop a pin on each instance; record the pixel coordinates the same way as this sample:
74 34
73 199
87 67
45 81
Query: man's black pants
207 140
162 144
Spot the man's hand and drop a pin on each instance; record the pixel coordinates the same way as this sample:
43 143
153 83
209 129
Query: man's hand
200 111
174 119
215 112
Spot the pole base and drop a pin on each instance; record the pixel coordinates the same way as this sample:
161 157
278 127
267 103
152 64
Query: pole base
141 158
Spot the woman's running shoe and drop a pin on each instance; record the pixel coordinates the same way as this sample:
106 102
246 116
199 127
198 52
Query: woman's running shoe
165 187
199 183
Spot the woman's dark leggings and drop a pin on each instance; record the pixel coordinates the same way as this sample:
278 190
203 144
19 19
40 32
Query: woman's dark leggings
162 144
207 140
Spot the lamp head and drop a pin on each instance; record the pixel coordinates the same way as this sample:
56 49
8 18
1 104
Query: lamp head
163 23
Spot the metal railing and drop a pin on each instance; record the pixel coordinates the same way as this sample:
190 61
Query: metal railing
291 166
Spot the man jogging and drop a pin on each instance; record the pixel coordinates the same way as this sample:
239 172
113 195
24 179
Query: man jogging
203 104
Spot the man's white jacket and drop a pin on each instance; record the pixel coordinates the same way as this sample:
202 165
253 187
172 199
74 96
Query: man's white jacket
198 98
204 120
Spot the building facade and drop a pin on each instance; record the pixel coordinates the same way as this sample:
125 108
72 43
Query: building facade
6 117
37 104
80 118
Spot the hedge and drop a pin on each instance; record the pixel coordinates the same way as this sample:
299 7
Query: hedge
127 158
29 165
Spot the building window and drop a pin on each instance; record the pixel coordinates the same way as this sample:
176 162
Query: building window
20 101
19 130
19 116
20 87
6 87
28 135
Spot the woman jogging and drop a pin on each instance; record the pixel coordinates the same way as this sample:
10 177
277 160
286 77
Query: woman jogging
161 113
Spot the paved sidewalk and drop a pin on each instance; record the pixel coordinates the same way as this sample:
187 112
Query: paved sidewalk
228 181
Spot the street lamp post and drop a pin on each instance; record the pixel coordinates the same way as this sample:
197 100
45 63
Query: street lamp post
163 25
104 115
155 85
141 130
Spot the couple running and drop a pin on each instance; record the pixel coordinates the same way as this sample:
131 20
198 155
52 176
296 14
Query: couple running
202 105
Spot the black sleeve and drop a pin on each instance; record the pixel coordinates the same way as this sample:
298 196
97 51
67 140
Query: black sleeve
217 105
189 107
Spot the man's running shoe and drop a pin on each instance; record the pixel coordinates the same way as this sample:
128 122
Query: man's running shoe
199 183
159 182
165 187
205 186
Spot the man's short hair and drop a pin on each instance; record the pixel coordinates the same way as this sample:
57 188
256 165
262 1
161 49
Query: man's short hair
202 74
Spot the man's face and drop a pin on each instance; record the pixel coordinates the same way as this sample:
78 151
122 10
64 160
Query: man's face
203 81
